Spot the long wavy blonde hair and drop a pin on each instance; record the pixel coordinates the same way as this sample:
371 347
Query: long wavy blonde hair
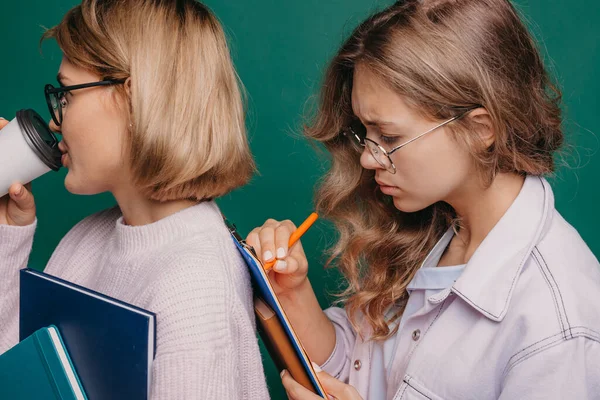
438 55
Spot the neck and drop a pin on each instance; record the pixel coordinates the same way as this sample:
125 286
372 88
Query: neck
138 210
480 208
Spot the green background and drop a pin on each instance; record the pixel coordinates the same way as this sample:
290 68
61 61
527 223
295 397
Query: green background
281 49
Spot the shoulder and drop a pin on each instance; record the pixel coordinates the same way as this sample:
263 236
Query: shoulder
100 222
204 266
572 273
206 258
562 245
92 230
557 293
199 287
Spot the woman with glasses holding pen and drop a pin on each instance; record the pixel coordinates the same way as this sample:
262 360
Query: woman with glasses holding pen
463 281
150 109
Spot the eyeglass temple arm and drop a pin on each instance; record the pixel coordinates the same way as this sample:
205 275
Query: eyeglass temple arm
84 86
425 133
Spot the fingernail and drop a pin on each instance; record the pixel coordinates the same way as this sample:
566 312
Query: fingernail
21 191
280 252
282 373
316 367
267 256
280 265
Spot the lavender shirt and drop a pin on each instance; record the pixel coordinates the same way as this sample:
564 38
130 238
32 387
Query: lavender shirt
428 281
521 322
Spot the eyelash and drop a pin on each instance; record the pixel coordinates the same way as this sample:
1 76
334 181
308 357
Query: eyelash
381 138
388 139
63 96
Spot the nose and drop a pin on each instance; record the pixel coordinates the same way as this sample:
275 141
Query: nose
368 161
53 127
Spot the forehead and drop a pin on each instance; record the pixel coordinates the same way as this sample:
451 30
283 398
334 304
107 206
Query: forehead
374 99
73 74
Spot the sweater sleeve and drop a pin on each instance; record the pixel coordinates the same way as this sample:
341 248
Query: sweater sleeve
15 246
202 373
198 344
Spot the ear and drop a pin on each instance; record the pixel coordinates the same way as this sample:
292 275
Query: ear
482 121
127 85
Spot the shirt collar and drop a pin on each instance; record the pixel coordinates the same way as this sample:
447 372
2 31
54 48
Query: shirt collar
433 258
489 279
428 277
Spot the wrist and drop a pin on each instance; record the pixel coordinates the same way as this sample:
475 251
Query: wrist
297 296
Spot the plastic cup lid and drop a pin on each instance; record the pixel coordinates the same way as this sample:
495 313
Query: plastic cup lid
40 138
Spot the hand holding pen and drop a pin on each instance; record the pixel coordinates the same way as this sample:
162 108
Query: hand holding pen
274 245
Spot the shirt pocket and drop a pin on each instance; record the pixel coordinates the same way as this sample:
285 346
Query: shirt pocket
413 390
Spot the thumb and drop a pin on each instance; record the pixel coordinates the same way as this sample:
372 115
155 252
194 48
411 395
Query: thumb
22 197
336 388
22 211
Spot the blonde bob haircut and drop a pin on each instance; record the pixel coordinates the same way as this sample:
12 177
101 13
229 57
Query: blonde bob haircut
187 138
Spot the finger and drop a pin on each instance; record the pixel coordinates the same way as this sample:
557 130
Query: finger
22 197
282 238
253 240
335 387
4 201
288 266
296 250
267 243
3 122
294 390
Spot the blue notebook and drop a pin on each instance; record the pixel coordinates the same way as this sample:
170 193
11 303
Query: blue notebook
111 343
263 289
39 368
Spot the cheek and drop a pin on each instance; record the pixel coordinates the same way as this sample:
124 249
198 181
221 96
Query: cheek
95 143
95 167
433 167
103 154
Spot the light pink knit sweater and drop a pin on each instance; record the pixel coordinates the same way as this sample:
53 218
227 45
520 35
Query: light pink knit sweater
185 269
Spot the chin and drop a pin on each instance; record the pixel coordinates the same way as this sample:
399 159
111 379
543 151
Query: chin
407 206
80 186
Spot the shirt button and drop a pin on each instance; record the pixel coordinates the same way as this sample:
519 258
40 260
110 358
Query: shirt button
416 334
357 365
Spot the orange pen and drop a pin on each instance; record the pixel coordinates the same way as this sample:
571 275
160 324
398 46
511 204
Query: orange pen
301 230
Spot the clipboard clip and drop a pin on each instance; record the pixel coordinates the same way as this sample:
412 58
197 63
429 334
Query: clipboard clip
234 232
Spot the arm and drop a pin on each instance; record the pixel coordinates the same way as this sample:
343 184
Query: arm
202 373
206 343
290 282
568 370
311 324
339 362
17 226
15 246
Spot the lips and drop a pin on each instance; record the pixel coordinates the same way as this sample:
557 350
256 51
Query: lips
383 184
65 152
386 189
63 147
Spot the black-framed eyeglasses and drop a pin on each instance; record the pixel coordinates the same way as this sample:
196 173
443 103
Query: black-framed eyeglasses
55 97
358 135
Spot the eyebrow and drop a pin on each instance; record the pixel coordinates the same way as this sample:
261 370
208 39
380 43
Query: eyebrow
61 78
379 122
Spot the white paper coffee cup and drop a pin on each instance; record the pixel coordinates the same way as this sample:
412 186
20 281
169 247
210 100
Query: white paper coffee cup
28 150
